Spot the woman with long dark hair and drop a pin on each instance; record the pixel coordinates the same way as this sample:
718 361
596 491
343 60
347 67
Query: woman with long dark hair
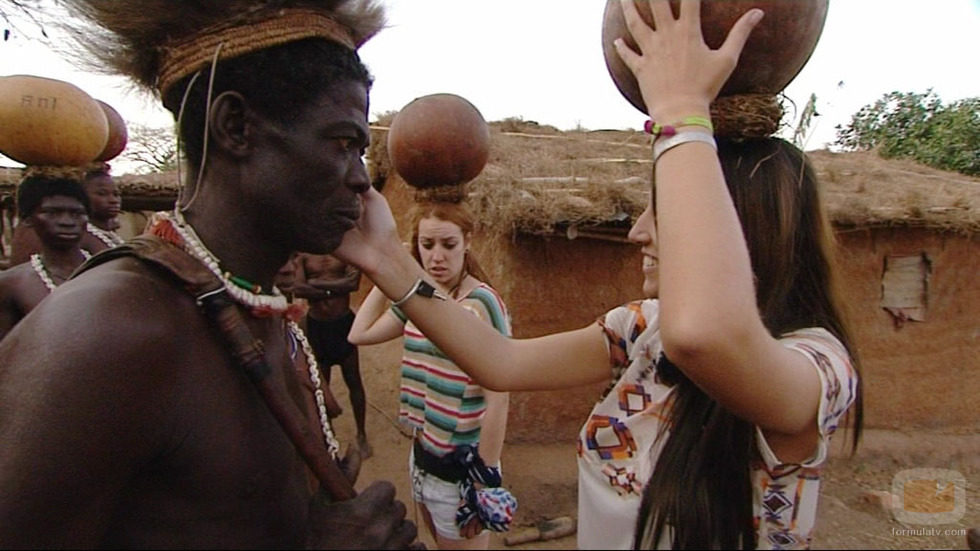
728 380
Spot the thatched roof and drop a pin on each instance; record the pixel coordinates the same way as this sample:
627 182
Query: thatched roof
862 189
156 191
539 180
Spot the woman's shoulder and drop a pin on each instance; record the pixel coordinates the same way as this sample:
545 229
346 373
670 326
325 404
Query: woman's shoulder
816 340
487 303
834 366
484 289
486 295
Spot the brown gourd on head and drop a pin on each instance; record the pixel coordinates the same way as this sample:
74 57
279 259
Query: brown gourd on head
776 51
49 122
438 140
118 135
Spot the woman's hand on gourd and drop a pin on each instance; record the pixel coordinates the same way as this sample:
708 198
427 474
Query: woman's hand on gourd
677 73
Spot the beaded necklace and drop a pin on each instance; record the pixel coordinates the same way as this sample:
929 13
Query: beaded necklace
261 305
42 272
332 445
110 238
240 290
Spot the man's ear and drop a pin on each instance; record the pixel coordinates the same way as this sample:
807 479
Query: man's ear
227 123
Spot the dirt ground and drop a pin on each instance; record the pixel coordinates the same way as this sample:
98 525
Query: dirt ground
543 476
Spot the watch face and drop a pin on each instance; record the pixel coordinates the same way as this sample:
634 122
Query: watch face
426 290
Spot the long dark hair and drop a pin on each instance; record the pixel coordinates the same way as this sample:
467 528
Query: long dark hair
700 489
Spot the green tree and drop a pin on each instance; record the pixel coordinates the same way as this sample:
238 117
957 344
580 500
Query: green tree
920 127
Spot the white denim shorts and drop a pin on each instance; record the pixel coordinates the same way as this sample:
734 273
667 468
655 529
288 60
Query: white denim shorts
441 498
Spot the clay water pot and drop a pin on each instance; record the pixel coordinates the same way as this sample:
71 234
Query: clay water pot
777 50
438 140
45 121
118 135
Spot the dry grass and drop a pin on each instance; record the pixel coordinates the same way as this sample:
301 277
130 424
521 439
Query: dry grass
538 179
159 184
862 189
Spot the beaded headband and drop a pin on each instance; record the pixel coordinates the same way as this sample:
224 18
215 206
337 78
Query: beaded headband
188 55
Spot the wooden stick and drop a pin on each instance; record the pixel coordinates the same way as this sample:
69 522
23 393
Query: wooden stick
249 354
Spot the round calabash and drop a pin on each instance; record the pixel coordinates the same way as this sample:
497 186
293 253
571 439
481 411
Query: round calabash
438 140
118 135
45 121
776 51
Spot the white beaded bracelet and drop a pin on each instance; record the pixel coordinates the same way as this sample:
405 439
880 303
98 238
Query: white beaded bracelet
662 145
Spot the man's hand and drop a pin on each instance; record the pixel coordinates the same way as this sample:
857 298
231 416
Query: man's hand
372 520
350 464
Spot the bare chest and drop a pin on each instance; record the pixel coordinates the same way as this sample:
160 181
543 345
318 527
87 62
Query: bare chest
228 475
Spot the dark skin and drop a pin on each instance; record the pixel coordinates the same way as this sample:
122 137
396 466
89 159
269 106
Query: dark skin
285 280
167 444
327 282
105 201
60 222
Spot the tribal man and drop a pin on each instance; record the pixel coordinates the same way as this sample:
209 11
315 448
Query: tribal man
98 234
171 422
56 211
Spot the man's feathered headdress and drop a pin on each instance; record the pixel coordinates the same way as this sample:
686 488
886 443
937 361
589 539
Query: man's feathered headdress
158 42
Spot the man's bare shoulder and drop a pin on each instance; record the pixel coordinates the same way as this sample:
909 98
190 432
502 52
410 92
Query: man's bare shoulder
13 281
14 274
111 312
92 243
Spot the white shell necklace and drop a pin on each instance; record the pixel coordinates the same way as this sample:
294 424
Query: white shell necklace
110 238
333 446
38 264
276 302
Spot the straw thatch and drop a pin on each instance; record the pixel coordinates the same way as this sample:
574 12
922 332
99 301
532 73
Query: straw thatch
864 190
156 191
539 180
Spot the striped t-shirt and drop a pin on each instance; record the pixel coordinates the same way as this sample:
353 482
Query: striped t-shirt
435 395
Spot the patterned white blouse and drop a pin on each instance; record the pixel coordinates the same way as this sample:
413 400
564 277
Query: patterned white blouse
618 445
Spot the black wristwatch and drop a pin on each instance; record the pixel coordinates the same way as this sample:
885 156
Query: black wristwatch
421 288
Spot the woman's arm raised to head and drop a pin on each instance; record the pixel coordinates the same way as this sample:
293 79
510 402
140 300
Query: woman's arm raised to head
710 325
497 362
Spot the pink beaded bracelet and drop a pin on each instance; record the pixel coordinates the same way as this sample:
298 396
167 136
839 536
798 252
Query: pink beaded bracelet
658 130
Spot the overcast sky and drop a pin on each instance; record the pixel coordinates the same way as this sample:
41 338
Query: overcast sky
541 60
